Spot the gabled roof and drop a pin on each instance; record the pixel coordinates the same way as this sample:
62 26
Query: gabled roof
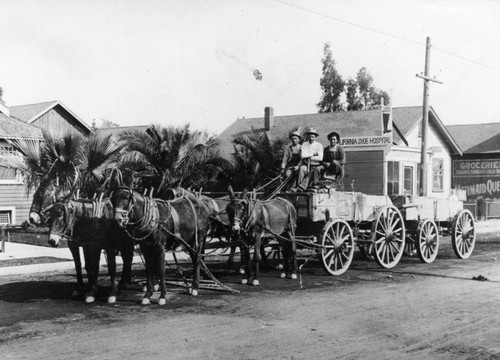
115 131
477 138
348 123
13 128
31 112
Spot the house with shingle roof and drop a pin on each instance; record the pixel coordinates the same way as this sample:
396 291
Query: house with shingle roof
28 122
478 170
379 159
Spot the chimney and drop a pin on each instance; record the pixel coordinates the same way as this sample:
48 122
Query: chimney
268 118
4 109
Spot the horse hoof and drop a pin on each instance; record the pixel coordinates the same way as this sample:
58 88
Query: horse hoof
111 299
156 287
293 276
194 292
162 301
242 271
283 275
244 281
255 283
89 299
145 301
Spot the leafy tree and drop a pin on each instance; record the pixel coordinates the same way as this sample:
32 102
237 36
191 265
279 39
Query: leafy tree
167 157
1 94
72 160
332 84
361 94
257 159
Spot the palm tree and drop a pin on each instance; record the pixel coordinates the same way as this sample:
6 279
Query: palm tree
257 159
72 161
173 156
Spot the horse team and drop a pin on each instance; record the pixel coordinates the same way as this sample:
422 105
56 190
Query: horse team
123 217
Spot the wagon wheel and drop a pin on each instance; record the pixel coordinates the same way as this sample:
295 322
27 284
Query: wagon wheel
337 246
388 236
428 241
463 234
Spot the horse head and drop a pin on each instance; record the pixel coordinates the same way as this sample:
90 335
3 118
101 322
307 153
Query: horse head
47 194
61 221
124 200
237 210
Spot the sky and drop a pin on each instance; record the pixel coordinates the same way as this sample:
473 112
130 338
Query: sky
173 62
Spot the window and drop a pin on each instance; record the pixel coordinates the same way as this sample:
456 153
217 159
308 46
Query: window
437 174
392 177
408 181
8 175
5 217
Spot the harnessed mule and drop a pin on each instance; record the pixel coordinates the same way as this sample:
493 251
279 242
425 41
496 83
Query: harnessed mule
219 226
162 225
252 219
87 223
47 194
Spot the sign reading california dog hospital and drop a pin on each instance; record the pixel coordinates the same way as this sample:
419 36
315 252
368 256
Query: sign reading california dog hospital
479 177
366 141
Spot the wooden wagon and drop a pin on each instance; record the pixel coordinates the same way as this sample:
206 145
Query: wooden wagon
382 227
427 219
334 223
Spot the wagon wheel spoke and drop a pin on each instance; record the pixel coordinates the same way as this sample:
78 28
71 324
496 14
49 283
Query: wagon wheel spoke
388 234
337 246
463 234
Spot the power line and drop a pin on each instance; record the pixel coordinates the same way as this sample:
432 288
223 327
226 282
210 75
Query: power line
363 27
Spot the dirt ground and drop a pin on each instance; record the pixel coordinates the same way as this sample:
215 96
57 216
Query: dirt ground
414 311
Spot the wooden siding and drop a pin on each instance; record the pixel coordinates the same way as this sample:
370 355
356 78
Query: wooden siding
15 195
60 122
366 169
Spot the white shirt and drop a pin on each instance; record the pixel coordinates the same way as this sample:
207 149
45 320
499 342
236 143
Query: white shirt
308 150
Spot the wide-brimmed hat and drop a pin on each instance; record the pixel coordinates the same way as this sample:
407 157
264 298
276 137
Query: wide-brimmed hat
333 133
295 133
312 131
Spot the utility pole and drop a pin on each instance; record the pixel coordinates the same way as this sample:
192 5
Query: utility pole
425 118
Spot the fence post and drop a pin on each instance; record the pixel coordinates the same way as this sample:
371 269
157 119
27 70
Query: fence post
2 249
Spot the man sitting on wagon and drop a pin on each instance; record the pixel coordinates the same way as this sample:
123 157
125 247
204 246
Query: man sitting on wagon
332 167
291 160
311 155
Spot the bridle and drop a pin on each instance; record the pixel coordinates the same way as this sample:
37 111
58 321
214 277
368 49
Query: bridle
69 221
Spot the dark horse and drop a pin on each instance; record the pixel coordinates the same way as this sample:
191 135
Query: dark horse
47 194
254 218
159 226
219 226
89 224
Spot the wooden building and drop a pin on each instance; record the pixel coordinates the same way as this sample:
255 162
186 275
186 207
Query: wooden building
28 121
379 160
477 172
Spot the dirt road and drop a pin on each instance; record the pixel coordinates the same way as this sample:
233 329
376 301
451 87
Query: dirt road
415 311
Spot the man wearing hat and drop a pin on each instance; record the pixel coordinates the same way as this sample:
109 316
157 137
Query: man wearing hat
291 157
334 157
311 157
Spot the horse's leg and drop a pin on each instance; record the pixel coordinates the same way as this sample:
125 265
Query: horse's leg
160 270
149 264
256 261
285 249
245 262
292 254
111 257
75 252
126 247
92 254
